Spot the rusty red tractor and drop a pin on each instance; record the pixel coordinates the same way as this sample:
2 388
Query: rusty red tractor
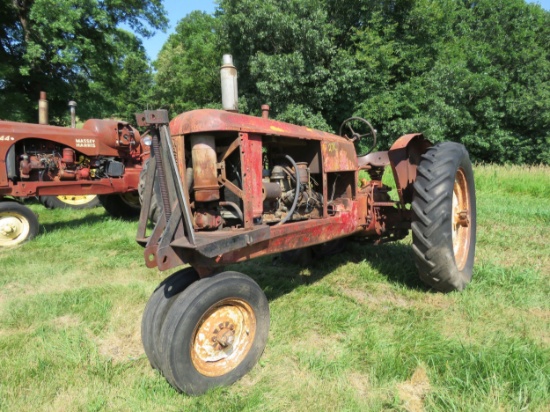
225 187
103 158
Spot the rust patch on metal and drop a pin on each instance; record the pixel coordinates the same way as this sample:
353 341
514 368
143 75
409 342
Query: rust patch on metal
338 156
223 337
404 156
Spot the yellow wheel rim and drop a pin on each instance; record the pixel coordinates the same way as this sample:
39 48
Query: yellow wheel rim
14 228
75 200
223 337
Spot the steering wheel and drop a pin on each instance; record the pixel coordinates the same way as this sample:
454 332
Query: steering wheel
353 121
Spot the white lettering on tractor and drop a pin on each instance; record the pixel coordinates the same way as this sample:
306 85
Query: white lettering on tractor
85 143
6 138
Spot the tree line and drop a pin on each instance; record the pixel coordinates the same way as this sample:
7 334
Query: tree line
476 72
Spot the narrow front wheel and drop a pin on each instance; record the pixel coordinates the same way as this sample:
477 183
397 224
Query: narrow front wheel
157 307
214 332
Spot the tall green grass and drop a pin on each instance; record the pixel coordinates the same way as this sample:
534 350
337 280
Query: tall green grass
357 331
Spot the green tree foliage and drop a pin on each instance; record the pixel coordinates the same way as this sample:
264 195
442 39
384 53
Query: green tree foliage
136 77
477 72
287 57
188 65
72 49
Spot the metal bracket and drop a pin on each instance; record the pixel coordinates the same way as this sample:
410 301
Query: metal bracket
150 117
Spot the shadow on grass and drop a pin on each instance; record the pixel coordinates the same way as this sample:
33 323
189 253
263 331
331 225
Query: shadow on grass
277 277
395 261
89 219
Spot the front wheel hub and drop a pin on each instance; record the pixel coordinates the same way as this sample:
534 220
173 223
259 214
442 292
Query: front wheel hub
8 229
14 229
223 337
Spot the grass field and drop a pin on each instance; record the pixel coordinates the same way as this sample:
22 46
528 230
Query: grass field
356 332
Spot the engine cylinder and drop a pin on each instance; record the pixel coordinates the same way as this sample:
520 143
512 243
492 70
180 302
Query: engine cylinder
271 191
304 172
68 156
205 175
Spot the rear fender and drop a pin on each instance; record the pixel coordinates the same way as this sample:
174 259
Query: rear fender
404 158
8 167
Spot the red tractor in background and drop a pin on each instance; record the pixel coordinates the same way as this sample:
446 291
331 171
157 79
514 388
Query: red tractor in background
225 187
103 158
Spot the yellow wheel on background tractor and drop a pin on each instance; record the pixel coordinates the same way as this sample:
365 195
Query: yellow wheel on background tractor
70 201
18 224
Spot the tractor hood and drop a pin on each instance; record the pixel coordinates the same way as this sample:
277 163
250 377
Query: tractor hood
211 120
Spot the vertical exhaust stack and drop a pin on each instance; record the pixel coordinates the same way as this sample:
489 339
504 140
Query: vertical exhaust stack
72 106
42 109
230 92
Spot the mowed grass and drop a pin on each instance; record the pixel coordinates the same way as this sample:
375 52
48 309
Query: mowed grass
355 332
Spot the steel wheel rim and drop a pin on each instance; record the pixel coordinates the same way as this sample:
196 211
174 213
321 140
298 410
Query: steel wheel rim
461 212
75 200
14 228
223 337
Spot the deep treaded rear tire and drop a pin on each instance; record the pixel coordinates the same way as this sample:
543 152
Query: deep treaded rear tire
444 217
155 209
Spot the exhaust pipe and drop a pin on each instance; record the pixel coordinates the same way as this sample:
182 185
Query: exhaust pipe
42 109
72 106
230 92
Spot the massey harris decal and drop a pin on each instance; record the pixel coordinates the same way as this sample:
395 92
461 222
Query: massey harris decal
85 142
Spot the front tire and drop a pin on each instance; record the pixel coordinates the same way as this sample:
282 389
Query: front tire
214 333
158 306
18 224
444 217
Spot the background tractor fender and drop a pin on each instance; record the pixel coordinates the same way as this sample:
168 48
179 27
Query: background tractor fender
7 163
404 157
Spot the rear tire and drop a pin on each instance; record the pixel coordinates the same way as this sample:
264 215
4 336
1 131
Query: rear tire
122 206
444 217
214 333
156 207
158 306
78 202
18 224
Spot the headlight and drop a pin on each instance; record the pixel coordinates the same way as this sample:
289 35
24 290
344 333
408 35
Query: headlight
147 140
